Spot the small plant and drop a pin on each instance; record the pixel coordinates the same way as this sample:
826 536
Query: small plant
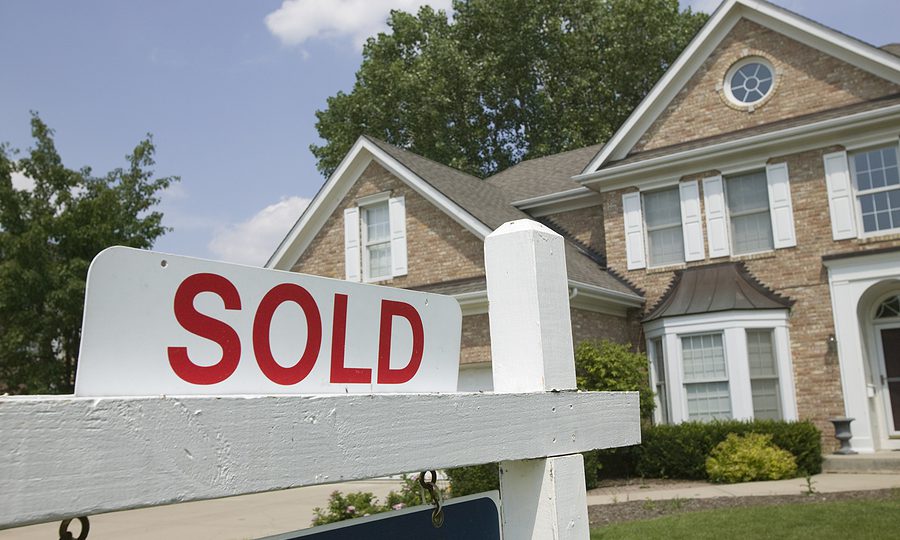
747 458
810 489
675 504
649 505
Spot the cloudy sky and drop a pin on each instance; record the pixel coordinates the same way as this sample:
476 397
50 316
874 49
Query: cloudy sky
229 91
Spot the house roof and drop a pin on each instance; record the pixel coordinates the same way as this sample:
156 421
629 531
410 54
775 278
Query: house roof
544 175
862 55
486 202
716 287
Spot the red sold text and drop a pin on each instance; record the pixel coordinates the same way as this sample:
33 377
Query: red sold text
226 337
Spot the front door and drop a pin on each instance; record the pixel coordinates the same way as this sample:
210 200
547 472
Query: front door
890 376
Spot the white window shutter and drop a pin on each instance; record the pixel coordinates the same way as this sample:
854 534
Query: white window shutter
780 208
840 196
397 211
691 226
716 217
634 231
351 244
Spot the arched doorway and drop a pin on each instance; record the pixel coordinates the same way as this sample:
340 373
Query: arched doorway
885 322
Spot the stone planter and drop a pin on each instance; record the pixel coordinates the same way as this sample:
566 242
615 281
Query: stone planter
843 434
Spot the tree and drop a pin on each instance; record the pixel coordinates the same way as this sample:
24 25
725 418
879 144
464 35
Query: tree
48 236
505 79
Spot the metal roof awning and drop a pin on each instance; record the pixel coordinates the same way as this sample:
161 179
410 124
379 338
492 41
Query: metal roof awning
712 288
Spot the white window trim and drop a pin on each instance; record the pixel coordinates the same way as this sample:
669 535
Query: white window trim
729 215
733 326
726 379
857 207
364 244
726 83
647 229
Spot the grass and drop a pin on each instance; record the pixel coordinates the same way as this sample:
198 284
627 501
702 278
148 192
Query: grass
822 521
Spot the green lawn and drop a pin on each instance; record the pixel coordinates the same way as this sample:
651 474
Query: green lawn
821 521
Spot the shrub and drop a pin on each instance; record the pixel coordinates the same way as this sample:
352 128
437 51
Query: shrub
745 458
604 365
473 479
680 451
359 503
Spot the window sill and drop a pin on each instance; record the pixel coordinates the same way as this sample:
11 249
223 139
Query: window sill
754 256
872 238
667 268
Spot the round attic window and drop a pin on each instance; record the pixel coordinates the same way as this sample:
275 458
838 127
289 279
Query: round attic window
749 81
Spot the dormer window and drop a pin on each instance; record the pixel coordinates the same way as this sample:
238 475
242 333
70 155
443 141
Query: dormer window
749 81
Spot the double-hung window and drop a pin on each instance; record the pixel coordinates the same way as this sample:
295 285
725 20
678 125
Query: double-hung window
875 175
748 210
375 238
665 240
705 377
863 191
764 386
377 242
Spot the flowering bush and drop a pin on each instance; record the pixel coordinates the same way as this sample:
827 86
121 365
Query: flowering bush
745 458
359 504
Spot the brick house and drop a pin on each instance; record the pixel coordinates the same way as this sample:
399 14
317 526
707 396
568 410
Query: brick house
742 226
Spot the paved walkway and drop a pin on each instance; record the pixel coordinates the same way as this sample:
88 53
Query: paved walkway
253 516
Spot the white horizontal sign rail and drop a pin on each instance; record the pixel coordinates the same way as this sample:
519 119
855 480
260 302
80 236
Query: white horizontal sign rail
69 456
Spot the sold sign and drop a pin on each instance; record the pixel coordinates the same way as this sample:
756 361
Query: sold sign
163 324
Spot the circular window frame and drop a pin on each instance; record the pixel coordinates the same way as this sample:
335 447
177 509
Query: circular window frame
726 85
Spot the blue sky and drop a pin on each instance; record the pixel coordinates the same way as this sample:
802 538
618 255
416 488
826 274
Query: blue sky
229 91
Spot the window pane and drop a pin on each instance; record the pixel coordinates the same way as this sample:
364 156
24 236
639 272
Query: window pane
666 246
747 192
378 224
659 366
761 353
751 233
766 403
708 401
880 211
703 357
876 168
662 208
379 260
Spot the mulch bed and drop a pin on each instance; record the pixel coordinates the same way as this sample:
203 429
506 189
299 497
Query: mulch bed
607 514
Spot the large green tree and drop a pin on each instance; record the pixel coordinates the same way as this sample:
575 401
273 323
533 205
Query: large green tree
503 80
49 234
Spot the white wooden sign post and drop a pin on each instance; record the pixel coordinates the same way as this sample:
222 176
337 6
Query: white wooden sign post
69 456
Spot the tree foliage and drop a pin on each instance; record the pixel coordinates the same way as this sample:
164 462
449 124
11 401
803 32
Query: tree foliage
505 79
48 236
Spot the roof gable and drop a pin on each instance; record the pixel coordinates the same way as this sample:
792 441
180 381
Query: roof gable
862 56
363 152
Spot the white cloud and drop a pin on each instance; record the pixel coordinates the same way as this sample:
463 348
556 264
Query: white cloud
253 241
22 182
297 21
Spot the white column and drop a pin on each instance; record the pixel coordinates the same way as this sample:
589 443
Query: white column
531 351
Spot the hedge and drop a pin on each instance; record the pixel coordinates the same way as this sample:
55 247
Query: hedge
680 451
479 478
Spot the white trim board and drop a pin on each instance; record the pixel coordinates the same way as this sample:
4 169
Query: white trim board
841 46
66 456
338 185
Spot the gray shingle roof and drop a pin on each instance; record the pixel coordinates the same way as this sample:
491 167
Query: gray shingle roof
715 287
545 175
490 204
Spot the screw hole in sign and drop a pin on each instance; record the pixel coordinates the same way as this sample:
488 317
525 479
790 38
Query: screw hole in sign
164 263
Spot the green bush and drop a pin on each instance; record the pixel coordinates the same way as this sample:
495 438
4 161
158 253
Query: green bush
479 478
359 503
604 365
473 479
750 457
680 451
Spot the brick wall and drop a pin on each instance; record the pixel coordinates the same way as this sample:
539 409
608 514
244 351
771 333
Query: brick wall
438 248
807 81
795 272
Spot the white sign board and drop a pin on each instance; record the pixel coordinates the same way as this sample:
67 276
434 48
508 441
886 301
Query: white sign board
159 324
